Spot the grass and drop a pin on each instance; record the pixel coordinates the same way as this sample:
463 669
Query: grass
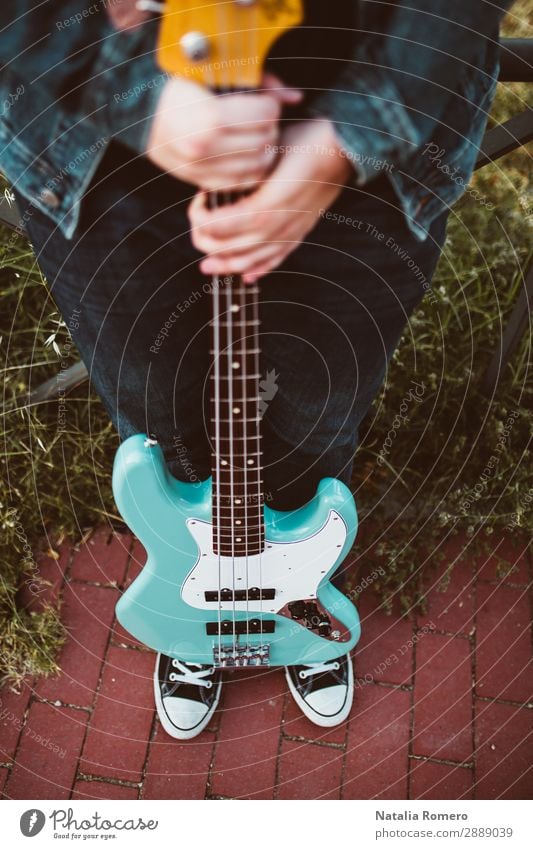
452 467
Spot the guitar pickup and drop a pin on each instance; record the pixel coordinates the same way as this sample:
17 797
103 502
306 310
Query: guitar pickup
244 626
253 594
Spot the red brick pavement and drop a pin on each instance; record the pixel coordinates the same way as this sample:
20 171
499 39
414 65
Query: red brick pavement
443 707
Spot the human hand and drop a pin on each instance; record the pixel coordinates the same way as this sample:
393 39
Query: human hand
217 142
256 233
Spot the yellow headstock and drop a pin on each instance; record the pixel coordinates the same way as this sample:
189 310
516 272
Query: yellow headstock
222 43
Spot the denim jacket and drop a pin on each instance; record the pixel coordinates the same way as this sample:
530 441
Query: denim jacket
410 96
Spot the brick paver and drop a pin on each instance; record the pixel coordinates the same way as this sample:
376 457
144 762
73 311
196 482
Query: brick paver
103 558
421 726
87 613
504 660
119 729
178 770
430 780
48 753
309 772
384 652
504 761
378 740
443 698
248 741
450 592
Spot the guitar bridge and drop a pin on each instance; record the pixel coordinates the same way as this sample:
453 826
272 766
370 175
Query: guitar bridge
235 655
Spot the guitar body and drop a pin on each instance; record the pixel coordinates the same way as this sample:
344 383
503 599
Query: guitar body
289 611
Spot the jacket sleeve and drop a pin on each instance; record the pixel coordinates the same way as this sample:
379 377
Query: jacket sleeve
389 97
72 59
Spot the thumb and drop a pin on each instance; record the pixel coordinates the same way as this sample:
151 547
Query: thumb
284 94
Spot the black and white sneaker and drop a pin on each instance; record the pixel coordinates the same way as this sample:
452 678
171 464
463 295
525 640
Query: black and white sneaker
186 695
323 691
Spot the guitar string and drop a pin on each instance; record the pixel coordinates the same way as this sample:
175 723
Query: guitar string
216 355
215 294
244 410
245 431
246 428
248 40
225 64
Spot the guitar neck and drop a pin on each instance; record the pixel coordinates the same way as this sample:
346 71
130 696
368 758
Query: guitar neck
213 44
238 527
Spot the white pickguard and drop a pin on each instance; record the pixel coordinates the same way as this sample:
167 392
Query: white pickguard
293 569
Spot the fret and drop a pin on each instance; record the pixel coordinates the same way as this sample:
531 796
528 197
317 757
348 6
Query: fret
224 455
226 541
252 289
226 421
229 352
238 487
253 486
238 323
251 517
239 535
253 513
226 508
224 552
234 379
239 507
253 438
248 520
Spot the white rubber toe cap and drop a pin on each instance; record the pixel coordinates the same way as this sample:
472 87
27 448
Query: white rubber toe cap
184 717
331 704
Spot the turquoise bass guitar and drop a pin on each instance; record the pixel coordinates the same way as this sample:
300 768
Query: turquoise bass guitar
229 581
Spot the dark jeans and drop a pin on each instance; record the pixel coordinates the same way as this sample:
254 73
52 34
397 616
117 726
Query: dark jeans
129 288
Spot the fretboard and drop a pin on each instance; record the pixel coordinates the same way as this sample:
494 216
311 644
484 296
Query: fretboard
238 527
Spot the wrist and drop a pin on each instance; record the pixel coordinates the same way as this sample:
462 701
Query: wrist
333 165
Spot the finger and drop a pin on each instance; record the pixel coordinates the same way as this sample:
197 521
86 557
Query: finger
284 93
262 269
256 273
243 262
223 221
216 247
251 110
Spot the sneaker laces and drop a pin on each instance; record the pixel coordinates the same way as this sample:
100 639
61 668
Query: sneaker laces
186 675
318 668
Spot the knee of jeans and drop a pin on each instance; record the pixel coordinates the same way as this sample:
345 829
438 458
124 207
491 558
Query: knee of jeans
314 431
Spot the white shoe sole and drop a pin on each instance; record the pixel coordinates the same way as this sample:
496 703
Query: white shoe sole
169 727
320 719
